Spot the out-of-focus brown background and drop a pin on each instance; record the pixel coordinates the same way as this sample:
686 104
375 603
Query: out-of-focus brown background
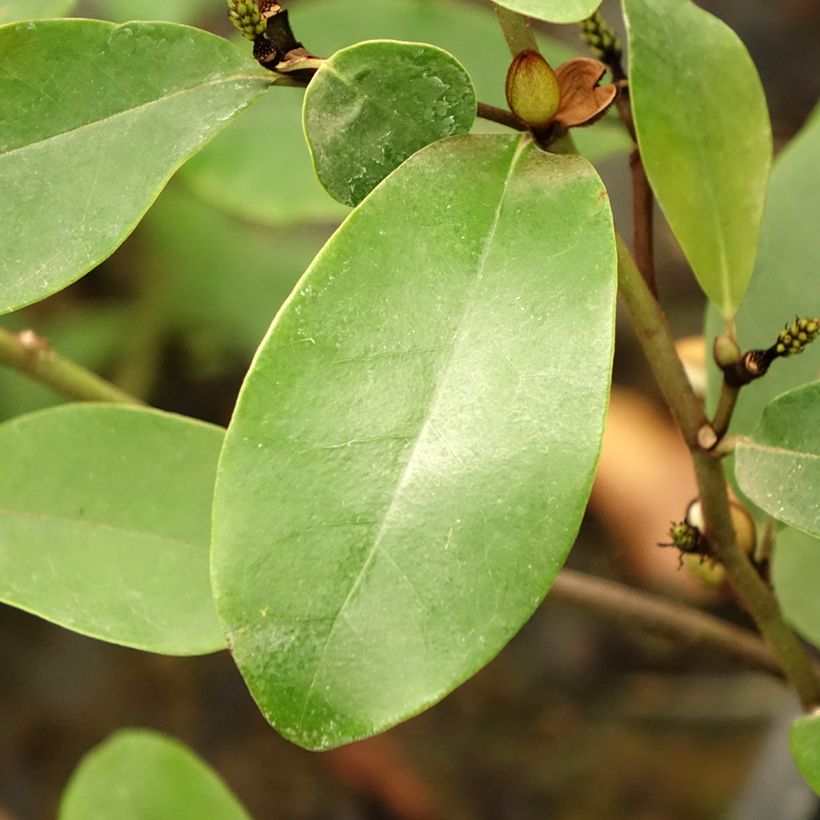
577 719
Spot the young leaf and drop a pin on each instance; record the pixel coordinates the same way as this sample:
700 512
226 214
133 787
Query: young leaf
260 169
11 10
779 467
104 524
796 578
142 775
106 114
804 740
553 11
784 282
704 136
413 447
372 105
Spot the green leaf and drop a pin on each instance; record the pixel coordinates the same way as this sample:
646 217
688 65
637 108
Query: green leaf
106 114
796 578
779 467
553 11
413 447
104 524
804 740
260 169
784 281
705 138
372 105
11 10
142 775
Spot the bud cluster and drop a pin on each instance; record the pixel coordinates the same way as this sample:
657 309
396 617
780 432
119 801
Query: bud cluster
246 17
794 337
601 39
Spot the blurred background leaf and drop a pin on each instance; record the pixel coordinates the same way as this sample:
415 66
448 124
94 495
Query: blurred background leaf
33 9
142 775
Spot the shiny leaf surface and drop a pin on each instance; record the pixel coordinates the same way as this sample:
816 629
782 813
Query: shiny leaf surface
372 105
413 447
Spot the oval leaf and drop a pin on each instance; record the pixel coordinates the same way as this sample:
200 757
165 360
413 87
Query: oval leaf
804 740
784 283
11 10
372 105
142 775
796 578
87 144
553 11
283 189
704 135
779 467
104 516
413 447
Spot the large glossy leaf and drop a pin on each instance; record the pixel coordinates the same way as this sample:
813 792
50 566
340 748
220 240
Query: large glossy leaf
11 10
804 740
413 447
785 278
104 524
779 466
704 135
796 577
372 105
142 775
554 11
104 116
260 168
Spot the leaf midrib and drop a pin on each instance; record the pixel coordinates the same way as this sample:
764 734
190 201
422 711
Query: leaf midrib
444 370
132 110
751 444
95 525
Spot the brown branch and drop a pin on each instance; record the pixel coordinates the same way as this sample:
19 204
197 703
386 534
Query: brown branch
634 607
500 115
642 222
29 354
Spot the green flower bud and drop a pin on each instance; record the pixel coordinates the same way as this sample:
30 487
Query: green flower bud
794 337
725 350
246 17
532 90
